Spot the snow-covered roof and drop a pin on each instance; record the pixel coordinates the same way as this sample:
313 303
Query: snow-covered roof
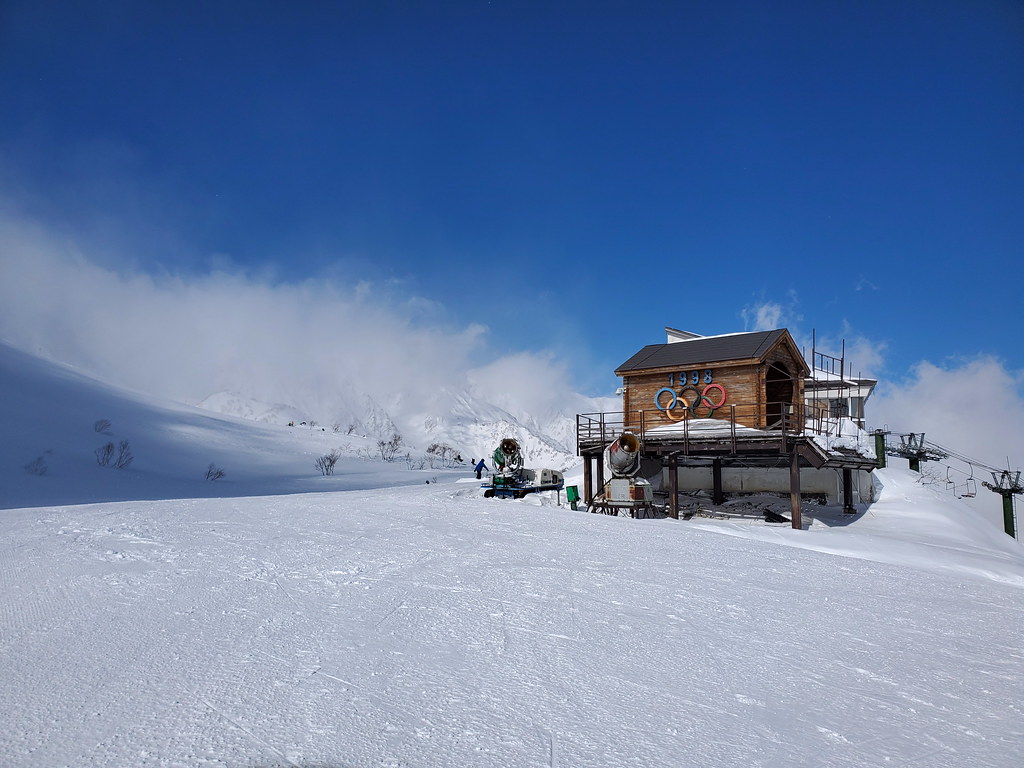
704 428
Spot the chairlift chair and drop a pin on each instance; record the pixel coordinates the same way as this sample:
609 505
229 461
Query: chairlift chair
971 485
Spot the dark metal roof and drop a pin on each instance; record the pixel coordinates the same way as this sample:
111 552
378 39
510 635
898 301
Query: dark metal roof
710 349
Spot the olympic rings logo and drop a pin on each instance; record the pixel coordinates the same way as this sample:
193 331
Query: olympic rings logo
698 399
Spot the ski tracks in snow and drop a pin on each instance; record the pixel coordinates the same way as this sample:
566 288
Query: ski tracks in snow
414 627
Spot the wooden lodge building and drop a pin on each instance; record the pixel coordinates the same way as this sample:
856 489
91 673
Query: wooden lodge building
757 377
726 414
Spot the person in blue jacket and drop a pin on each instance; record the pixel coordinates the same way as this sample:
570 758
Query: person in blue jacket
480 467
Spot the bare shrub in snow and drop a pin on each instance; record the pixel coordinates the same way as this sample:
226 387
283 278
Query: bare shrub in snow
389 448
104 454
445 453
124 455
213 472
37 466
102 426
326 463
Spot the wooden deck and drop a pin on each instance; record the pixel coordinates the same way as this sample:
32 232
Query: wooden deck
717 438
720 442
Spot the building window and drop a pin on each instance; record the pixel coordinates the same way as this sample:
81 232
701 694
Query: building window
857 407
838 408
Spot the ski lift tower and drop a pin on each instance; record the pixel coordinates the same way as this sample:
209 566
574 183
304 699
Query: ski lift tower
913 449
880 447
1006 484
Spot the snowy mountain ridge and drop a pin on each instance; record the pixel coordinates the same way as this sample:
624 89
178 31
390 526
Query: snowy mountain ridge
470 425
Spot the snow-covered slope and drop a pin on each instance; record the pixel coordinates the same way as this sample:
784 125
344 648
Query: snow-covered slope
48 455
911 524
478 427
427 626
422 625
347 413
472 427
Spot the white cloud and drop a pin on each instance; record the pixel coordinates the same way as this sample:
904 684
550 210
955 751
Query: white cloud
525 384
185 338
763 317
769 315
975 408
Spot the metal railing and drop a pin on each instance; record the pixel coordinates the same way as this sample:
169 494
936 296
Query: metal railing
787 420
820 420
834 366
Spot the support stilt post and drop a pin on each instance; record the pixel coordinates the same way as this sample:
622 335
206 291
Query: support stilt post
717 494
588 492
848 507
879 448
794 491
1006 484
673 486
1008 525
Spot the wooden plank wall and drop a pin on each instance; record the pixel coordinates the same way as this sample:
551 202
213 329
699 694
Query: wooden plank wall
745 384
743 387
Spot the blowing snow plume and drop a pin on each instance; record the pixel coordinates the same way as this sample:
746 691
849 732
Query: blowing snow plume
187 337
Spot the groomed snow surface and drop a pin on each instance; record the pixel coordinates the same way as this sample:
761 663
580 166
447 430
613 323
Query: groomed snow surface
422 625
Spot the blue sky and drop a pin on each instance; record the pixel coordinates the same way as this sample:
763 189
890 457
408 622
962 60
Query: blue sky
572 176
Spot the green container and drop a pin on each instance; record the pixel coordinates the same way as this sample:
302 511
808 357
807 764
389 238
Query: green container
572 493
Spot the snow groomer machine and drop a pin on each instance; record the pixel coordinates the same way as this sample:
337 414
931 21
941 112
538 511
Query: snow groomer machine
512 481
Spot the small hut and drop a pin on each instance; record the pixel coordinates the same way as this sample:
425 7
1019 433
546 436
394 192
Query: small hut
753 379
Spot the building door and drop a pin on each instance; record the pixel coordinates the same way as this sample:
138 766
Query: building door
778 394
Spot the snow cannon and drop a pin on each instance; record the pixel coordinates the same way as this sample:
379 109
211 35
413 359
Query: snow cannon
623 455
626 491
512 481
507 456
